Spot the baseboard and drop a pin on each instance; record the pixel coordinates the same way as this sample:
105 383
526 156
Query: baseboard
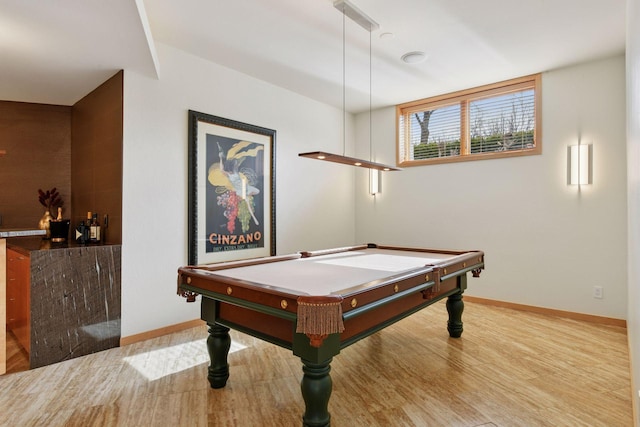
550 311
522 307
160 332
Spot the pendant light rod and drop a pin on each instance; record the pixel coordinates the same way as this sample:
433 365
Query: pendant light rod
370 103
344 81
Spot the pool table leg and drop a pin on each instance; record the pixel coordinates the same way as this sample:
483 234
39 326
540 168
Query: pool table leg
316 390
455 306
218 344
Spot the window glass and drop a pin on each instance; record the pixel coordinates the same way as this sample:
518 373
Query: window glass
436 133
498 120
502 123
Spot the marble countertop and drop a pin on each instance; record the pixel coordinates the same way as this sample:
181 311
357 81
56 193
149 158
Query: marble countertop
20 232
27 244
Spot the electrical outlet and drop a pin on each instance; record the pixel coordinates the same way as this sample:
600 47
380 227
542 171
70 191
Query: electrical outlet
597 292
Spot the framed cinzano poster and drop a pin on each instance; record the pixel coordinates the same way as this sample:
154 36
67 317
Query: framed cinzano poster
231 190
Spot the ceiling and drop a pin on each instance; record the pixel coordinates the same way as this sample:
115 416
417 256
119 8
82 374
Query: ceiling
56 52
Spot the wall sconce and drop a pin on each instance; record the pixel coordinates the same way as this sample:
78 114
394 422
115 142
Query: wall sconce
375 177
579 164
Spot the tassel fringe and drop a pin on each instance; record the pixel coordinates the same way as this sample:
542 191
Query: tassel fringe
319 315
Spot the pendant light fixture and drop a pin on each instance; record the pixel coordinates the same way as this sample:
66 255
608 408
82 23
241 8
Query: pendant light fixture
351 11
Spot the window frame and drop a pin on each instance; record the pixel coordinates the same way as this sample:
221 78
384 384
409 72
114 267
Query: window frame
463 98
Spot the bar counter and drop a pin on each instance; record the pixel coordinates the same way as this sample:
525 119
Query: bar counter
36 243
74 297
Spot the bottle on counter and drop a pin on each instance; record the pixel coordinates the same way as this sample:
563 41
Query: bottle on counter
59 217
94 229
88 227
81 233
105 225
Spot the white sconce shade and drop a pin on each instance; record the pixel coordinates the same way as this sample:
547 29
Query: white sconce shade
374 181
579 164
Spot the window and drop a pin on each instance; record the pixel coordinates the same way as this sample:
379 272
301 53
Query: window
498 120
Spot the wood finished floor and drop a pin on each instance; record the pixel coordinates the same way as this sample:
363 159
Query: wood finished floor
510 368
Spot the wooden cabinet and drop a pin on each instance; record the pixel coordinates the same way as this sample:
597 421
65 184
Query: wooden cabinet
18 296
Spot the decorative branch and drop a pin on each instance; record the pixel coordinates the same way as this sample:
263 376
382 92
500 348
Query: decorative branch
50 199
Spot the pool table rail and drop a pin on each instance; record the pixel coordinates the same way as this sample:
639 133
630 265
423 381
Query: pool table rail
394 295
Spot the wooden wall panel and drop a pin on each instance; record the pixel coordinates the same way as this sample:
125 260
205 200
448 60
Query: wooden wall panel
37 140
96 156
3 306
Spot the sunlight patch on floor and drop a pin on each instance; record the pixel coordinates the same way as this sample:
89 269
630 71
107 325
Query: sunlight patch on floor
159 363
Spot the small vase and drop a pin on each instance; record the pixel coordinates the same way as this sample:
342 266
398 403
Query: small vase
44 224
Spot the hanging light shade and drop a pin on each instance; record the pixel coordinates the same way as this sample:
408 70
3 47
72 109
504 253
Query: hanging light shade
336 158
352 12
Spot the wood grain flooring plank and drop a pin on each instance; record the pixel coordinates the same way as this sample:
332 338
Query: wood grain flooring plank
509 369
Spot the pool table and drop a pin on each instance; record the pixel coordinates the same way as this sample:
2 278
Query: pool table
316 303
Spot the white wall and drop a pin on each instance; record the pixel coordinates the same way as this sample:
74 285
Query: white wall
547 244
314 200
633 176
